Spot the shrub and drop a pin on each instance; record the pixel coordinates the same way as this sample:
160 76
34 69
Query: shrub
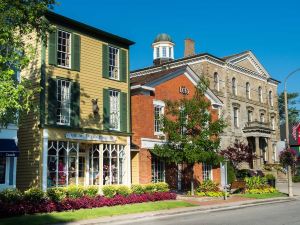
73 191
150 188
137 189
162 187
296 179
270 176
34 195
109 191
210 194
242 174
91 191
261 190
123 190
208 186
10 195
56 194
256 182
230 173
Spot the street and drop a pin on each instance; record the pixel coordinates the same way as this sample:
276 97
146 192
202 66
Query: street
284 213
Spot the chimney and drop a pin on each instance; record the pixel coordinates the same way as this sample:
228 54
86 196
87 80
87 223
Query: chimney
189 47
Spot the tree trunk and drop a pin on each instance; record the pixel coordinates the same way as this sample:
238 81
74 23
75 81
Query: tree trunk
192 182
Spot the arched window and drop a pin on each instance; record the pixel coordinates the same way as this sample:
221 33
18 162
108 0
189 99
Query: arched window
248 94
260 98
262 118
270 98
216 81
234 89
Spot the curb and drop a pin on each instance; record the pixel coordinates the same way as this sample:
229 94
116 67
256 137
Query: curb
182 211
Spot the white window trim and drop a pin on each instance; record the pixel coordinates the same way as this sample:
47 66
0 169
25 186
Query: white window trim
119 122
161 104
70 96
211 171
66 67
112 78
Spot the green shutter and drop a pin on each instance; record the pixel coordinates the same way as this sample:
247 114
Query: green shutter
124 108
123 65
52 50
75 52
106 109
52 101
75 104
105 61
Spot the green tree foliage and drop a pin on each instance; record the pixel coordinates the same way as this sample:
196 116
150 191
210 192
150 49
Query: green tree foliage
192 136
18 18
293 112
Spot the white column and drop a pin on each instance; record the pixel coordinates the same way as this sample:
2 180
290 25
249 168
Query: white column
45 159
128 162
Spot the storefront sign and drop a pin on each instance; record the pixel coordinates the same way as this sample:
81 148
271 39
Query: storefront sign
90 137
183 90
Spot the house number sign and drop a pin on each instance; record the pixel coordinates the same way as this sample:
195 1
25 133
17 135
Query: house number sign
183 90
89 137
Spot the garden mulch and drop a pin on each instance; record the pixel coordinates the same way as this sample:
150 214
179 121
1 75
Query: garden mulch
206 201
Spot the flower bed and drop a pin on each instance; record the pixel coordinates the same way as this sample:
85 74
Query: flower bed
14 203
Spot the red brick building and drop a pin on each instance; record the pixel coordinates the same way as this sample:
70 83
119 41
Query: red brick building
148 95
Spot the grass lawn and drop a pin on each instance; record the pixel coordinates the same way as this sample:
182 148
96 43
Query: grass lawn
264 196
59 217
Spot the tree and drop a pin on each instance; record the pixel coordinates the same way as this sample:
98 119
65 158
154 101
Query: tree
192 136
238 153
18 19
293 112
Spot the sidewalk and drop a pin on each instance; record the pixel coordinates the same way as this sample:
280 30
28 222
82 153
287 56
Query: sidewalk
204 206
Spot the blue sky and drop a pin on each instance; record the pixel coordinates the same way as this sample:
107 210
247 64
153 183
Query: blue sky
271 29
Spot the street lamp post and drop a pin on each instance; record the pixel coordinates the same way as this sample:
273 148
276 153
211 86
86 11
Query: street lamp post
287 135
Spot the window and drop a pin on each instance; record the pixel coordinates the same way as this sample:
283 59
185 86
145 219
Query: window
206 171
273 122
113 62
2 169
158 169
63 100
114 98
270 98
260 98
250 116
164 52
274 157
157 52
234 88
71 163
248 95
64 49
158 111
235 117
262 118
170 52
216 82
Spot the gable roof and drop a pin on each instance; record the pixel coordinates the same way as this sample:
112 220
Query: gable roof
150 81
251 58
101 34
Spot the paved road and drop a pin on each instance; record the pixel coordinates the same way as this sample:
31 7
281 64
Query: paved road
284 213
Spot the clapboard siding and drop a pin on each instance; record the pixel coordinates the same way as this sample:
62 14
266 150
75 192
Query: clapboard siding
91 80
29 135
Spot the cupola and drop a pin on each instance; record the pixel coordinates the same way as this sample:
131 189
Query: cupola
163 49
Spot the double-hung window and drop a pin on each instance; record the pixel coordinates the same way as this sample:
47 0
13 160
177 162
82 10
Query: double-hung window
158 169
158 112
114 99
64 49
236 117
206 171
63 94
114 60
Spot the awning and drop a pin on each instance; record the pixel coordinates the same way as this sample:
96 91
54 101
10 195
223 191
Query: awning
8 148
